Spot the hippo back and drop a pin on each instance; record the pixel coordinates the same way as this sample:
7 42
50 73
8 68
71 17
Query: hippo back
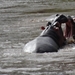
41 44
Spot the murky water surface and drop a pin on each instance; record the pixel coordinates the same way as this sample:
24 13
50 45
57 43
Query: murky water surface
20 22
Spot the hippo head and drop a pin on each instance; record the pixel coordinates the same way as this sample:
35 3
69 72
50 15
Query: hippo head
66 23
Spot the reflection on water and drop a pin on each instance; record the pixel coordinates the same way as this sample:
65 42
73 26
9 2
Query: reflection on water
20 21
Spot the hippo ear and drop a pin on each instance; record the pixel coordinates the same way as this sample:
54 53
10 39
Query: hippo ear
42 27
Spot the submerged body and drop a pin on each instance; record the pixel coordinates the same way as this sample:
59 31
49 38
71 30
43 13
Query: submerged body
41 44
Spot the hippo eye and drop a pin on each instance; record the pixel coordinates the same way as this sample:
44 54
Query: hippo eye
49 23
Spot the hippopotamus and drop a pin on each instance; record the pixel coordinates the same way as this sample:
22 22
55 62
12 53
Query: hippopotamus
52 37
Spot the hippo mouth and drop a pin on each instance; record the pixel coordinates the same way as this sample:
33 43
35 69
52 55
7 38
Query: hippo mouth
69 32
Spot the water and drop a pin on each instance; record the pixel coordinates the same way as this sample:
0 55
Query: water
20 22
